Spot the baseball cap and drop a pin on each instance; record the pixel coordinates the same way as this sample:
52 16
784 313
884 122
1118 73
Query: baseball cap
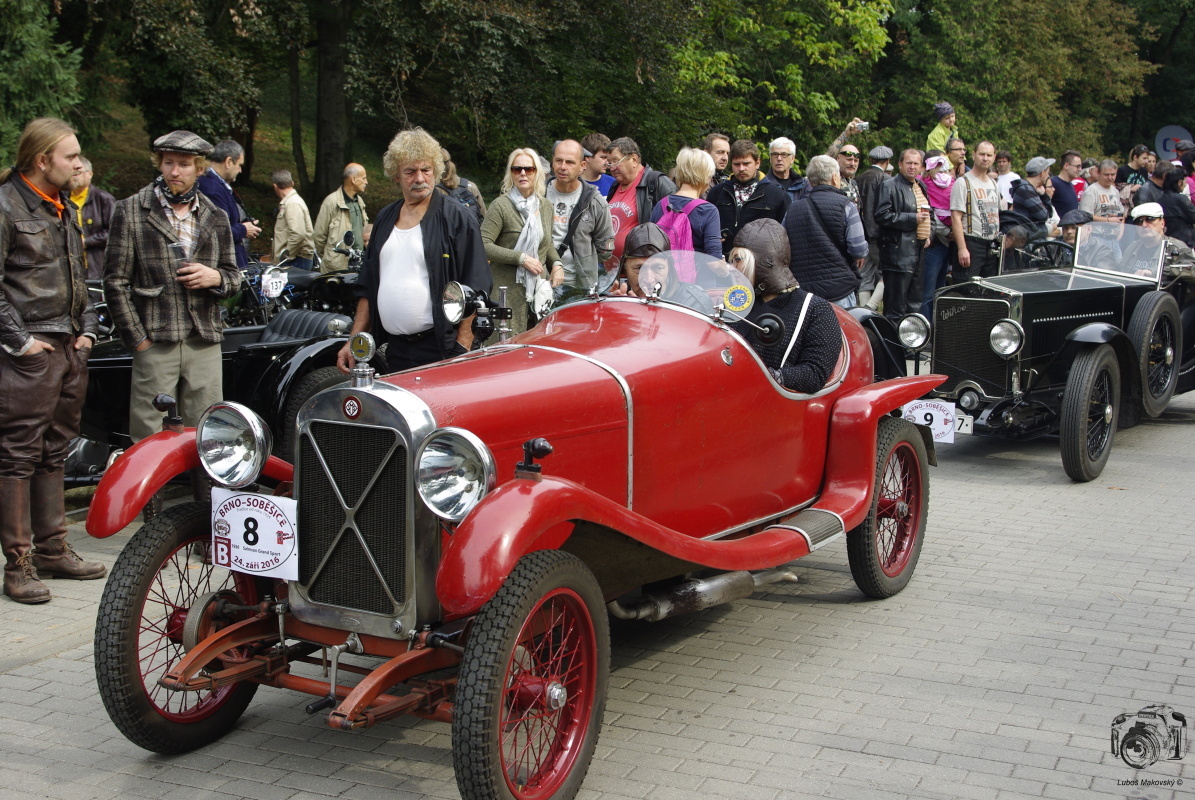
1037 165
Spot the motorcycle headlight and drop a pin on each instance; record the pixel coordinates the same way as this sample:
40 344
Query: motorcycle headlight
233 444
1007 338
913 331
454 471
458 301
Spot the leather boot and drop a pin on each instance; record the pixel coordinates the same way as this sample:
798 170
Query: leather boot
20 576
52 556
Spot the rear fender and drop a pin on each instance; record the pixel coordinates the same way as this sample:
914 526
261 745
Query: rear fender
851 454
145 468
523 516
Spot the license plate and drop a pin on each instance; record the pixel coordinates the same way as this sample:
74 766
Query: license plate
964 423
255 534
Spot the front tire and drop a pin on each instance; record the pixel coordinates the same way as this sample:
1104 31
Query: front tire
883 551
532 684
1087 422
1156 332
139 635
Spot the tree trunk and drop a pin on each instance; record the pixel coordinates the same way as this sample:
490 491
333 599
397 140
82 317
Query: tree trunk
296 125
246 141
333 124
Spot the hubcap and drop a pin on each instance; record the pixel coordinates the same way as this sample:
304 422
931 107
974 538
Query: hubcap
557 696
1108 413
1169 356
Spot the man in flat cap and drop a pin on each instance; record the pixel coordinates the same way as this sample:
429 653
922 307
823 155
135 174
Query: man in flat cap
871 285
170 258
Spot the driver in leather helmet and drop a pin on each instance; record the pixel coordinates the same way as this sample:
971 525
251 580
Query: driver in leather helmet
643 242
803 365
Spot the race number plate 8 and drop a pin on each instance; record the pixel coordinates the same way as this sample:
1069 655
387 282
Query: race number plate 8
939 417
255 534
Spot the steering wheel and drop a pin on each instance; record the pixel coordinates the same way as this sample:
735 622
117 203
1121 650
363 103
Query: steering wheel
1054 252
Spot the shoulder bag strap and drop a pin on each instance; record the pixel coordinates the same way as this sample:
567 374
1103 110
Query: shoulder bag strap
797 330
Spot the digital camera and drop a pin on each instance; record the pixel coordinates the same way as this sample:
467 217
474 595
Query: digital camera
1153 733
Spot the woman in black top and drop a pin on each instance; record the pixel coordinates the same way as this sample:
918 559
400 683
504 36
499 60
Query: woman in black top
803 365
1179 211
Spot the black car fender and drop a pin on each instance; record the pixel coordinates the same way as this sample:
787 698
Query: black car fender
288 368
886 349
1094 334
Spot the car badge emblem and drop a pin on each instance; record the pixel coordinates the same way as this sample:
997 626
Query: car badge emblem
950 312
737 298
352 407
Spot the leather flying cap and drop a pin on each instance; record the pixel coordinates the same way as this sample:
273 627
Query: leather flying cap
645 240
768 242
183 142
880 153
1075 217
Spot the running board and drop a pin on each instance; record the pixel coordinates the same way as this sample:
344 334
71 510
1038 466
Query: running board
817 526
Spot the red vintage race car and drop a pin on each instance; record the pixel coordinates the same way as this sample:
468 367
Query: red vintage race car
465 530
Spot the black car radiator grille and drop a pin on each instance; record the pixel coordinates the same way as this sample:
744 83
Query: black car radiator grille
962 350
335 567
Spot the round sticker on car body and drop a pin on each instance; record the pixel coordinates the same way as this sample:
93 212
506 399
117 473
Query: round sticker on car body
737 298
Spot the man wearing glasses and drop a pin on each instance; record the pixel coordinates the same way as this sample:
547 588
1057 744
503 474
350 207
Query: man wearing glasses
956 151
635 192
781 153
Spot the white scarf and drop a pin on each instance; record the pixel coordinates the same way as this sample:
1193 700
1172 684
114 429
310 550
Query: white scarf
537 288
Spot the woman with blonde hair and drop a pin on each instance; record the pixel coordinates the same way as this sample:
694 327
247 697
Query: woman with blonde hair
694 171
517 231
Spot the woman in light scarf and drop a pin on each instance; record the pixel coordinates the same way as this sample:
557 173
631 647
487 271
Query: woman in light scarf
517 232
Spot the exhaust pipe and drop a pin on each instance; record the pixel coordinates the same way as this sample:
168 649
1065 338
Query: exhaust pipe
698 594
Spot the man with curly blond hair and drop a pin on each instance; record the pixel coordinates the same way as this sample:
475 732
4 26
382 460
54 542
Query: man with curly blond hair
420 243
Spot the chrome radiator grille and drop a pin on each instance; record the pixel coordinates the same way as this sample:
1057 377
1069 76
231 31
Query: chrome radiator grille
962 350
353 546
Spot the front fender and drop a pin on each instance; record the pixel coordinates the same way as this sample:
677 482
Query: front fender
273 389
851 454
145 468
519 518
1097 333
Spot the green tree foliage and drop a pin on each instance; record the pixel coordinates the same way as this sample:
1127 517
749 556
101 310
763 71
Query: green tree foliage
38 76
1031 94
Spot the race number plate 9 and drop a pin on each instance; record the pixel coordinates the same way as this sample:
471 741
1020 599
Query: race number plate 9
255 534
939 417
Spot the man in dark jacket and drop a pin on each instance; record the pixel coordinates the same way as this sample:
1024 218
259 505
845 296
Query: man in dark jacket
635 192
164 302
871 289
745 197
902 215
94 212
1031 200
226 162
47 328
436 240
825 236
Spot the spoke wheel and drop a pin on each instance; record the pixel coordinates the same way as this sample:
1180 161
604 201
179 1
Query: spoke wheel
532 684
1087 422
139 636
883 551
1155 331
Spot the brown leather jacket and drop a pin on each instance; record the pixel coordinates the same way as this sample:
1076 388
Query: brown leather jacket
42 269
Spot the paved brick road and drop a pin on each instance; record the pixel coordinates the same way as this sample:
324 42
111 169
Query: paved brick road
1040 610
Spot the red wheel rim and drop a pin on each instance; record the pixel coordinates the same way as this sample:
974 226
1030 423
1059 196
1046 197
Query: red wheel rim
180 581
898 509
547 703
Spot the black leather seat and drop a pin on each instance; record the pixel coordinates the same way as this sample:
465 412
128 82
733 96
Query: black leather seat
299 325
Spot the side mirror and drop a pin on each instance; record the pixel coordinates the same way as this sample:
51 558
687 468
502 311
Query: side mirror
349 238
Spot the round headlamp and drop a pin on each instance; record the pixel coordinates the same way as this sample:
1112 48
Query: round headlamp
913 331
233 444
454 470
1007 337
456 299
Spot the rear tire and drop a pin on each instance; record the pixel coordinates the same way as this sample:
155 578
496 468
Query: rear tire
308 387
1156 332
1088 417
884 549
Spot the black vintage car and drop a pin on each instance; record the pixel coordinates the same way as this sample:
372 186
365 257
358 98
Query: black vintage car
1076 351
272 368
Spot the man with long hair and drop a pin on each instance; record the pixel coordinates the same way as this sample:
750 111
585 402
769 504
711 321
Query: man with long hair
47 328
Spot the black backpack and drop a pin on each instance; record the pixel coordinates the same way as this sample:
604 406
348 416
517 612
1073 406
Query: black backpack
466 198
